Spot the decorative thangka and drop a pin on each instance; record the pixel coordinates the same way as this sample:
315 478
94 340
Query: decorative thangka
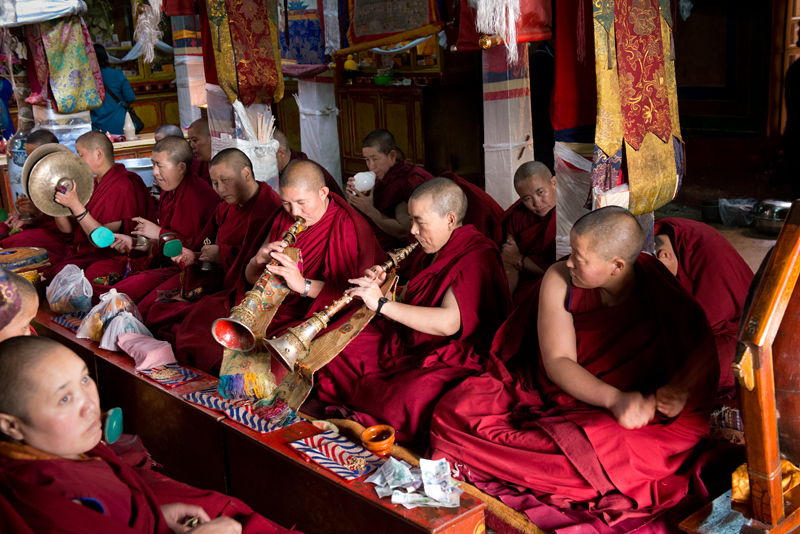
302 40
374 19
638 130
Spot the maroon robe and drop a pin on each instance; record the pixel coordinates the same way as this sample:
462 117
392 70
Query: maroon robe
396 187
200 168
483 212
233 228
392 374
183 211
711 270
536 239
119 196
36 495
330 181
564 462
43 234
340 246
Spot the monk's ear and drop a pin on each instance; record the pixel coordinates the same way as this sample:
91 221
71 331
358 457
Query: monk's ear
452 220
553 180
11 427
393 155
182 167
324 192
618 265
246 173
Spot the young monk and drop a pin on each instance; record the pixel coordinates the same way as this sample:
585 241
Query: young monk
336 244
119 196
41 230
710 269
18 306
285 154
185 207
529 227
590 421
199 138
57 475
246 205
386 204
429 340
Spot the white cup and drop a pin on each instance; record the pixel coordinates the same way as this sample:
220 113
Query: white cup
364 181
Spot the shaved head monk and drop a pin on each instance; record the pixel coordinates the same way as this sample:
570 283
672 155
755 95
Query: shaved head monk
167 130
285 154
40 230
431 338
336 244
483 212
598 412
246 205
529 227
710 269
119 196
185 207
386 205
58 476
199 138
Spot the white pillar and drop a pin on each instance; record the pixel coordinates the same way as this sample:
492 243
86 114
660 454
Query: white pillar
319 134
190 78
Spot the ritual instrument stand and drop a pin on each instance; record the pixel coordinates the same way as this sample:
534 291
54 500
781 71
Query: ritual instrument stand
766 364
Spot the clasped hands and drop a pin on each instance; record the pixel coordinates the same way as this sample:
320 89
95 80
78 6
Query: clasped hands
510 252
176 515
633 410
368 287
23 204
209 253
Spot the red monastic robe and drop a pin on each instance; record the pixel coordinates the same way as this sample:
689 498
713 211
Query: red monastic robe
483 212
183 211
233 228
392 374
340 246
43 234
330 181
36 495
119 196
396 187
200 168
563 462
536 239
711 270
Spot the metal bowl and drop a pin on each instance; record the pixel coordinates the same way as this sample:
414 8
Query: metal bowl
770 215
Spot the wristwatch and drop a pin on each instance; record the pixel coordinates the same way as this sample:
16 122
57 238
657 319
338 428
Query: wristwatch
308 287
381 302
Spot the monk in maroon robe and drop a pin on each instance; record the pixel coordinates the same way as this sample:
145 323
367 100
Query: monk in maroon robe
386 204
246 205
396 370
40 230
336 245
186 205
710 269
483 212
199 138
285 154
56 475
119 196
529 229
593 429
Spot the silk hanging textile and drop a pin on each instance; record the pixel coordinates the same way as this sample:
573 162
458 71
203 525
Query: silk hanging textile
220 37
302 40
72 78
638 131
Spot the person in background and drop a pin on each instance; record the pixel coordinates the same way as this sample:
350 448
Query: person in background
6 124
110 117
167 130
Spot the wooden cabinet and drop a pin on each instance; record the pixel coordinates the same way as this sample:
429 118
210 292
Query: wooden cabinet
157 109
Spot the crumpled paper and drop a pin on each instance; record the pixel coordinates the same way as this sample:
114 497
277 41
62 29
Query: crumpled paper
428 485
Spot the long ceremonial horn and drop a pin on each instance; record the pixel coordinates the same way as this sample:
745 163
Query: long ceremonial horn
235 332
288 348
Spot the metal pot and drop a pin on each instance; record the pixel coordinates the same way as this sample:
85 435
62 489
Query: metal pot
770 215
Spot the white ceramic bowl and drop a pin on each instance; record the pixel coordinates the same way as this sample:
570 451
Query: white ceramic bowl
364 181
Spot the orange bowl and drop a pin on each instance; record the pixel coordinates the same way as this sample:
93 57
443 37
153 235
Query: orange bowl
378 439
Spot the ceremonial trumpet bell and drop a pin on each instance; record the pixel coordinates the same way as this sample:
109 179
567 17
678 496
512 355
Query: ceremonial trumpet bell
296 342
235 332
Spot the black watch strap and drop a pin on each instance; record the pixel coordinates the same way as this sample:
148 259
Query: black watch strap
381 302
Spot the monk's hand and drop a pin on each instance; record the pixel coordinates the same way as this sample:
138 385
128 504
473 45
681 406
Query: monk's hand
671 400
14 221
176 514
210 253
26 204
220 525
363 202
122 243
264 254
367 290
376 273
290 272
186 257
70 200
510 252
149 229
632 410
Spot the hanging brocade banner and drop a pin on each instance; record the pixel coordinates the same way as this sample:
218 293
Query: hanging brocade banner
72 79
256 48
223 48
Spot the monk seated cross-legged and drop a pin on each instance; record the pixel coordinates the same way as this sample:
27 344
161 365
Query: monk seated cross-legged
336 244
529 229
246 205
590 421
39 230
710 269
57 476
119 196
430 339
285 154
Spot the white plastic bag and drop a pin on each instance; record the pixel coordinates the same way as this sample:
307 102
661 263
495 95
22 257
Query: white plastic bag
111 304
70 291
124 323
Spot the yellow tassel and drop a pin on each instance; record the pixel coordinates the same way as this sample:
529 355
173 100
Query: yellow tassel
260 385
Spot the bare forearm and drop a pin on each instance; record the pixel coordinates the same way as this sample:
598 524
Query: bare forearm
580 383
529 265
432 321
393 227
65 225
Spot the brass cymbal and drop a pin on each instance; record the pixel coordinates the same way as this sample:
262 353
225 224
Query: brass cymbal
53 168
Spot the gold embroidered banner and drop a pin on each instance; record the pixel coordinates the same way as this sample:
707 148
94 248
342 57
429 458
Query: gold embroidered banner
223 48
